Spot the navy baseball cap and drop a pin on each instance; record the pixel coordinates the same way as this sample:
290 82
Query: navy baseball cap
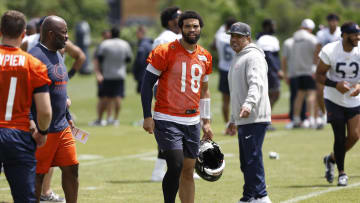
240 28
350 28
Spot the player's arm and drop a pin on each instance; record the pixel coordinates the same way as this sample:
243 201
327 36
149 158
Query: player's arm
77 54
43 107
129 54
44 114
68 114
24 45
205 114
316 53
320 76
284 69
213 45
150 78
98 74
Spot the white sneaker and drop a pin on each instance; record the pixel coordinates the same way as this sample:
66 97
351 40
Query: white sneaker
159 170
52 197
289 125
98 123
113 122
324 119
196 176
343 180
305 123
265 199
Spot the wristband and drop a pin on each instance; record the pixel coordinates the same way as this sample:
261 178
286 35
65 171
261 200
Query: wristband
330 83
205 108
43 132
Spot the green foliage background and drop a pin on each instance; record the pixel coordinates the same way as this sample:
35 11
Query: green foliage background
287 13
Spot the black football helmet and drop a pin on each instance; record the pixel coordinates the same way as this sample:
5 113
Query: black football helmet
210 162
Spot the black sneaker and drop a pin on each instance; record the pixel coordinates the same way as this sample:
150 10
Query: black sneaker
244 200
343 180
329 169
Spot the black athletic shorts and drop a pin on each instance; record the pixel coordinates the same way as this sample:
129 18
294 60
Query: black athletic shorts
100 92
306 82
174 136
223 82
336 112
113 88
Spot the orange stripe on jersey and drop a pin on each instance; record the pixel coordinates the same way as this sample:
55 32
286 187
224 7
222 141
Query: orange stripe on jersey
20 74
179 88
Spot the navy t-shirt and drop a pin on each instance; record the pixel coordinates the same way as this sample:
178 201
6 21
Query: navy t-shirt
57 73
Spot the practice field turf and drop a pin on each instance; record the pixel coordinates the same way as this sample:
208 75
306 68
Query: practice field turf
116 162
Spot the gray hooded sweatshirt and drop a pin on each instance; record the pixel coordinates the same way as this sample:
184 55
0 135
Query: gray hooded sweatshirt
248 85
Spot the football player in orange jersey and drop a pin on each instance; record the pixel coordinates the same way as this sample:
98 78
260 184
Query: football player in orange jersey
183 97
22 77
169 20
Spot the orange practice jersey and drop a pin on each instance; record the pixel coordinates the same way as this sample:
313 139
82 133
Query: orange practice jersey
178 92
20 74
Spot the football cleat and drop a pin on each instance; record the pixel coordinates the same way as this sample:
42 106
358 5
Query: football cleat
251 200
343 180
329 169
210 162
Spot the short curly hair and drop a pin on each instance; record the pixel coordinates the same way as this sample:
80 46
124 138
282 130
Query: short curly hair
168 14
188 15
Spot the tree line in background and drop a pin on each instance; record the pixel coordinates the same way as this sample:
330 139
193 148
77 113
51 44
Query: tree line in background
287 13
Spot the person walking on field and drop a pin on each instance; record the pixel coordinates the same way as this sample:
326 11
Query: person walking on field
250 109
338 70
23 79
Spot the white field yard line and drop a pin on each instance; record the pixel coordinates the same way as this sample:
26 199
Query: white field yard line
146 154
318 193
142 155
118 158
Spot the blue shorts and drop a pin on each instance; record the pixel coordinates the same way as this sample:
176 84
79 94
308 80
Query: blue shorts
223 82
174 136
113 88
17 155
306 82
336 112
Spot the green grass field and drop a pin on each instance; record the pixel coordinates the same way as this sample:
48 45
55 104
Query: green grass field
116 162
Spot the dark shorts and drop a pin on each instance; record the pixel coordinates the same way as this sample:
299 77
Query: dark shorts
273 80
100 92
113 88
336 112
306 82
17 155
223 82
174 136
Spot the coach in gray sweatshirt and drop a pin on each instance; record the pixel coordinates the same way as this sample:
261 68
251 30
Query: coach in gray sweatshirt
250 109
